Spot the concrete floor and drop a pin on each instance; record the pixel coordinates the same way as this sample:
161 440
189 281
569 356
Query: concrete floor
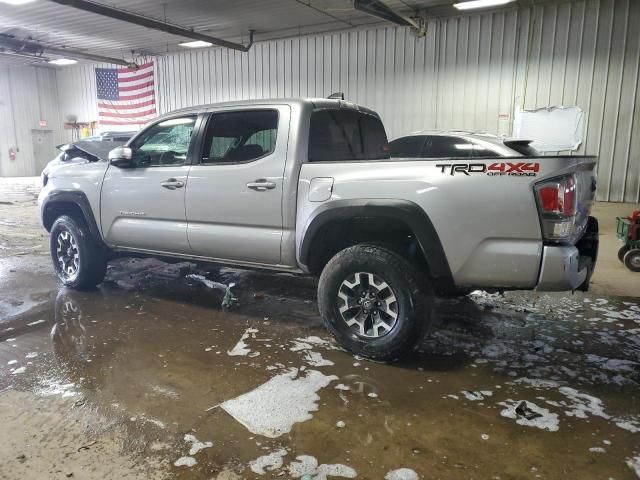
148 377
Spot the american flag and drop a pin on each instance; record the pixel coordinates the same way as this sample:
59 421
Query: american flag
125 96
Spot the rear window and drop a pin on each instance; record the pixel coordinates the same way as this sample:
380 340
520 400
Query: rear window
441 146
344 135
408 147
523 147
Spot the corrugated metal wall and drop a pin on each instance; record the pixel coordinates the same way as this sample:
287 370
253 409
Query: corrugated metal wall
27 95
467 73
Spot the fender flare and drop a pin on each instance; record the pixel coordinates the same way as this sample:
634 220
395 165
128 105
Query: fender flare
70 196
406 211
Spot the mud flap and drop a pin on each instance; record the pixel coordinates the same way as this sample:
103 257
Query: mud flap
588 248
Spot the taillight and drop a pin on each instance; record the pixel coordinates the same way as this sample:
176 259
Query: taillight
557 207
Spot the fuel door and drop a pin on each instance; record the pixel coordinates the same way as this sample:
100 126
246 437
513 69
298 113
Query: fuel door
320 189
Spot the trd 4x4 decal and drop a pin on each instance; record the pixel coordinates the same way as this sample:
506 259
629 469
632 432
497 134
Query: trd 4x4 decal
515 169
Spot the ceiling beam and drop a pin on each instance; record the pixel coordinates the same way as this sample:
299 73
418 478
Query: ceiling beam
379 9
27 47
152 23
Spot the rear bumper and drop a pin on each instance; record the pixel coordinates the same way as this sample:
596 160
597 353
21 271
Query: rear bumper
570 267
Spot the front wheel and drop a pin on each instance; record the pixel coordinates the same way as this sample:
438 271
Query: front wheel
632 260
78 259
370 300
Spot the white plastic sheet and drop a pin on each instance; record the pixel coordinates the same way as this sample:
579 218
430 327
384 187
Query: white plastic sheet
552 129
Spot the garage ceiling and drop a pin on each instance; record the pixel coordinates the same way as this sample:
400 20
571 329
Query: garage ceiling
59 25
56 25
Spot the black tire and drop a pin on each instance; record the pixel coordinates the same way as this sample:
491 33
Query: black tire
413 305
623 250
632 260
89 268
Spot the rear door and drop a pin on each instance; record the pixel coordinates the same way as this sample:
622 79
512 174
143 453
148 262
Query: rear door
143 207
234 199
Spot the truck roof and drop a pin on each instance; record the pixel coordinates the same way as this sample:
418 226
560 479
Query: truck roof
301 102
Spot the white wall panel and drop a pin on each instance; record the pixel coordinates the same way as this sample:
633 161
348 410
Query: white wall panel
469 72
27 95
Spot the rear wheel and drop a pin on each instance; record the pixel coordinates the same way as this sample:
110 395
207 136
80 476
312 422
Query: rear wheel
78 259
632 260
623 250
370 300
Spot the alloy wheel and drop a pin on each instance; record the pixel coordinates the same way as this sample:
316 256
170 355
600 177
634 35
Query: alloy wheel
368 305
67 254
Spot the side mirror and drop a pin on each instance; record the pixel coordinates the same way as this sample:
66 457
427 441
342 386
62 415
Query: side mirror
121 157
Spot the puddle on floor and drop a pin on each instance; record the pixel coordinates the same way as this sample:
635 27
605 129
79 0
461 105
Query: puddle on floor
522 386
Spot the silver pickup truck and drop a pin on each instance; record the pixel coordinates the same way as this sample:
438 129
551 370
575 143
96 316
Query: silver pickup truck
308 186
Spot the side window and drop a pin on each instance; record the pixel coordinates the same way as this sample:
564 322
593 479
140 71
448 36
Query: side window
441 146
165 143
240 136
343 135
407 147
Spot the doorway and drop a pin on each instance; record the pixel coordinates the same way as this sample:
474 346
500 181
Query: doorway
43 149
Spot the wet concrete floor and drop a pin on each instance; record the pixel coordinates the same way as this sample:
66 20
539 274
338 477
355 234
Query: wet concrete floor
148 377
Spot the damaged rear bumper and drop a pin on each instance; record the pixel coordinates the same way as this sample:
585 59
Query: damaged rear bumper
569 267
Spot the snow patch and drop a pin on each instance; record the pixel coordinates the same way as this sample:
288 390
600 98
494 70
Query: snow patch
402 474
530 415
196 445
475 396
185 462
240 349
274 407
634 464
315 359
306 465
270 462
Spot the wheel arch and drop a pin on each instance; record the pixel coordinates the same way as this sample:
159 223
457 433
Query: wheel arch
377 214
72 203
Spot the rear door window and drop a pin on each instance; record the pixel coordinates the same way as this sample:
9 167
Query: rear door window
408 147
240 136
441 146
344 135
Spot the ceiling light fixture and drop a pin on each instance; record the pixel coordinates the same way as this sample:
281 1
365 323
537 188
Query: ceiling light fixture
16 2
480 4
196 44
63 61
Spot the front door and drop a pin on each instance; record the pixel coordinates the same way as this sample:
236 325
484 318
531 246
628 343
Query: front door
143 207
234 199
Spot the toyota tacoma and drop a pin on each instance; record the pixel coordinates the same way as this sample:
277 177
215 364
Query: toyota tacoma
308 186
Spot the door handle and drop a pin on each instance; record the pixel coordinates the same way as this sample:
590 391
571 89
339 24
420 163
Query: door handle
261 185
172 184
